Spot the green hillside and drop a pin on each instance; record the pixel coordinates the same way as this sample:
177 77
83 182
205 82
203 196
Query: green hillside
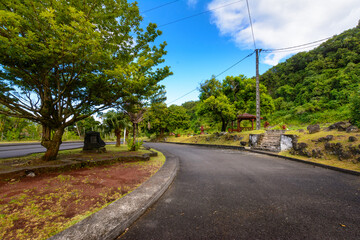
317 86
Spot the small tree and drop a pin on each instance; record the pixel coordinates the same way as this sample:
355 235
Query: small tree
116 121
219 109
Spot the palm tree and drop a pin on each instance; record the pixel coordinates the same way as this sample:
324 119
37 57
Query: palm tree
116 121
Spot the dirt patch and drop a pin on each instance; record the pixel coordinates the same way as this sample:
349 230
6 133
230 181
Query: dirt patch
41 206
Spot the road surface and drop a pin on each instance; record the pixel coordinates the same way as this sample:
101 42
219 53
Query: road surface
18 150
228 194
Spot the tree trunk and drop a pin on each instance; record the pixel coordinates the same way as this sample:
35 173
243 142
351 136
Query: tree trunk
223 125
118 137
134 137
51 142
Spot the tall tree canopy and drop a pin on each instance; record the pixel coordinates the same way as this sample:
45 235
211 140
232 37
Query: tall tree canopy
215 104
241 92
58 59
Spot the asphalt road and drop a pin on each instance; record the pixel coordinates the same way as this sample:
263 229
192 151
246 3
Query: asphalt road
228 194
18 150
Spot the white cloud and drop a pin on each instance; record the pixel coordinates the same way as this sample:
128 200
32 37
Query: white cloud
283 23
192 3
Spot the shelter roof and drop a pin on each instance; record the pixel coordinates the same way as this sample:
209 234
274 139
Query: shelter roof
246 116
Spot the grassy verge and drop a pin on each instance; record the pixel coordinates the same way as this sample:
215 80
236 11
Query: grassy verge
39 207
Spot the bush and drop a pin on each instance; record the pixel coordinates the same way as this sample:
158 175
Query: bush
132 147
355 110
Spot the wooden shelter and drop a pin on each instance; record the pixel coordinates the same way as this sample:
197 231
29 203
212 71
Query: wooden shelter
241 117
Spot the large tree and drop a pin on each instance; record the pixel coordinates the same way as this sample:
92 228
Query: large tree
215 104
241 92
58 56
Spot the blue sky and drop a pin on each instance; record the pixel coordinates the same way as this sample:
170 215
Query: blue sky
206 45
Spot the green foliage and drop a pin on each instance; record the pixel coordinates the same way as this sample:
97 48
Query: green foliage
160 119
311 84
218 108
133 147
241 91
355 109
65 60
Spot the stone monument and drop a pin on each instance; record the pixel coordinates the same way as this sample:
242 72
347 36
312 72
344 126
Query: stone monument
93 142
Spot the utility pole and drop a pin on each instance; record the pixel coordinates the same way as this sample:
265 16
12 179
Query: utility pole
257 90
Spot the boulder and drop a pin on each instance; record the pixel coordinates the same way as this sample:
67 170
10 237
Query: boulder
352 128
338 150
243 143
352 139
301 149
316 153
300 146
354 150
313 128
325 139
340 126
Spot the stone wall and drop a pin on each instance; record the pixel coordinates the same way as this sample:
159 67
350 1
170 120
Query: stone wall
287 141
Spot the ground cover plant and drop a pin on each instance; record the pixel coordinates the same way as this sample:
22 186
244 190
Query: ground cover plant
41 206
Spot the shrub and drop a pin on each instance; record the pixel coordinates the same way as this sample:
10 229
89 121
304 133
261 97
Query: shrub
355 109
132 147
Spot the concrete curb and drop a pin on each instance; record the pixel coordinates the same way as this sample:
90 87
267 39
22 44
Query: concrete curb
113 220
275 155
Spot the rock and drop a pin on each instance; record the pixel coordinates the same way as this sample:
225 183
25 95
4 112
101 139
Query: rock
344 155
355 161
300 149
313 128
352 128
338 150
316 153
30 174
340 126
243 143
352 139
334 148
354 150
344 126
325 139
301 130
300 146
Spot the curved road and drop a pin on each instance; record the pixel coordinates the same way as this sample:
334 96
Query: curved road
227 194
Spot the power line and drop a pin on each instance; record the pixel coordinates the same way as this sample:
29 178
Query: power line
252 29
198 14
235 64
216 76
298 46
160 6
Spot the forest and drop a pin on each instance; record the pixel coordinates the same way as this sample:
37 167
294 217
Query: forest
318 86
